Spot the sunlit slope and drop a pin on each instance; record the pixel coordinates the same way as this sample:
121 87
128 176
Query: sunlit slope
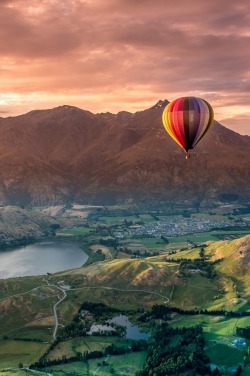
235 262
130 272
150 274
230 261
222 282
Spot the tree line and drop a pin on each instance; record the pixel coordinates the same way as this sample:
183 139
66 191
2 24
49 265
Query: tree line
174 351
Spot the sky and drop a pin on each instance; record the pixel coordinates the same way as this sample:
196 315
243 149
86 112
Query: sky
114 55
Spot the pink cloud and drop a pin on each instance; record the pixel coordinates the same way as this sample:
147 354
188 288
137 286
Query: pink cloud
123 52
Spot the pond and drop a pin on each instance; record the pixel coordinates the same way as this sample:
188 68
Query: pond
41 258
132 331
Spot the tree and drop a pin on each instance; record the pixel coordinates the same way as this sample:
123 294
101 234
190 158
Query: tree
238 371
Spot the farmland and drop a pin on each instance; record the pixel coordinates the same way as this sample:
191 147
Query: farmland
131 272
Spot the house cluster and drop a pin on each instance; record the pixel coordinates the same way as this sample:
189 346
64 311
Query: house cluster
178 226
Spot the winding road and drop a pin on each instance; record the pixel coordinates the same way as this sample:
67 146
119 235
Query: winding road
166 299
55 313
55 306
95 287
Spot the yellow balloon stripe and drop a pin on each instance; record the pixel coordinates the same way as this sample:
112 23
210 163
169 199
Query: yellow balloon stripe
166 119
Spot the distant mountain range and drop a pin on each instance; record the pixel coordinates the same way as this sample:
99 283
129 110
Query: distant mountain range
66 154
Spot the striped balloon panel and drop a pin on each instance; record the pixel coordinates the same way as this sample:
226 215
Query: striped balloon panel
187 119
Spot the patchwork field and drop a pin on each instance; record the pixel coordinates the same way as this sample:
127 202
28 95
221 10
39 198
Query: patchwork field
129 279
121 365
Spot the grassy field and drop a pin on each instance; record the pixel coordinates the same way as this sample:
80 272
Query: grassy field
146 218
118 299
74 231
224 355
128 284
196 291
153 243
122 365
70 347
191 254
43 333
126 364
216 328
14 352
19 285
116 220
19 372
20 310
202 237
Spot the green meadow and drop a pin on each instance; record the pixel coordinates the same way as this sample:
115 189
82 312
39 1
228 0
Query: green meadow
73 231
70 347
121 365
225 356
26 304
14 352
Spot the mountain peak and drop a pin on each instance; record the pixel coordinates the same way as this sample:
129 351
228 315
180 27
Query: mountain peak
65 154
160 104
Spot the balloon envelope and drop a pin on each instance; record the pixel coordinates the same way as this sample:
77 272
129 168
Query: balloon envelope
187 120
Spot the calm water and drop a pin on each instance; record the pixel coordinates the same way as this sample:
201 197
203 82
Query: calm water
41 258
132 331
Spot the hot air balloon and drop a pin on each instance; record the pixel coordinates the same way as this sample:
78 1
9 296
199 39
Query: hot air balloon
187 120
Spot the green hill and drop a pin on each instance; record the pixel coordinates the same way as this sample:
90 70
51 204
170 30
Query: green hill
230 260
142 276
217 280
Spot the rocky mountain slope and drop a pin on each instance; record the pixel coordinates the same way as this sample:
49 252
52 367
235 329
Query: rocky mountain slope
20 226
67 154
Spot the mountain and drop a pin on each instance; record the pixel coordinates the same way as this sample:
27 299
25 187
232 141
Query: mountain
20 226
67 154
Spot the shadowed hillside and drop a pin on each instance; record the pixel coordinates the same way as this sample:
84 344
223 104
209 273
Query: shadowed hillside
67 154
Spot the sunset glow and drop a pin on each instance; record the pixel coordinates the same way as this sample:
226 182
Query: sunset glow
113 55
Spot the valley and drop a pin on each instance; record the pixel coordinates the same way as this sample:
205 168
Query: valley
202 277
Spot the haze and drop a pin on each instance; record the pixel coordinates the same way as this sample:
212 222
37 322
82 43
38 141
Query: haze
112 55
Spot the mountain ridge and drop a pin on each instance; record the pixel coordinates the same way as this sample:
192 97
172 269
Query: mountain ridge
67 154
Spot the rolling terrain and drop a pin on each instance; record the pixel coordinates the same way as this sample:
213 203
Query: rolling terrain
219 281
67 154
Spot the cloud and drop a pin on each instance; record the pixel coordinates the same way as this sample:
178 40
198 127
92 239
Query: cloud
123 54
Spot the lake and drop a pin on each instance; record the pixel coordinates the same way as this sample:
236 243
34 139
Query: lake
132 331
41 258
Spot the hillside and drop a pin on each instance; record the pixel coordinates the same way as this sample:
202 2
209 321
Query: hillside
176 280
234 264
20 226
71 155
134 283
230 260
121 280
221 282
